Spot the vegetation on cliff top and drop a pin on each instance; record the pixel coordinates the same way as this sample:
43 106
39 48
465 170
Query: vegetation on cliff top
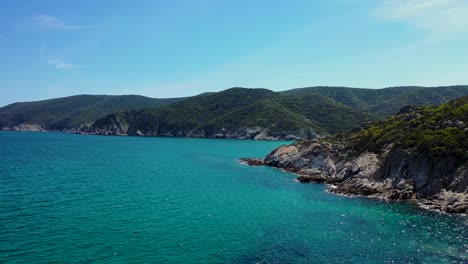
433 131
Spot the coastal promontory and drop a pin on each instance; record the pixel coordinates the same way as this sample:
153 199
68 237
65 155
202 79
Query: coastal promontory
420 155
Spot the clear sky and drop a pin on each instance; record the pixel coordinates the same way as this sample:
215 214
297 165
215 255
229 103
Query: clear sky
180 48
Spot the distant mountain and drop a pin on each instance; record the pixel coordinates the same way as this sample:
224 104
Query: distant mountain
420 154
233 113
385 102
71 112
236 113
264 114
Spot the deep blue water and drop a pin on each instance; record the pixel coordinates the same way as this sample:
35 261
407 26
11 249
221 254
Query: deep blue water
94 199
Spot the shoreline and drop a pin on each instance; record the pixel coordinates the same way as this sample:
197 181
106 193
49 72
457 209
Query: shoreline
148 136
333 187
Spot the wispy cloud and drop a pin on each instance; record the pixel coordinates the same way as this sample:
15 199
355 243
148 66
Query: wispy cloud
47 22
56 61
62 65
441 20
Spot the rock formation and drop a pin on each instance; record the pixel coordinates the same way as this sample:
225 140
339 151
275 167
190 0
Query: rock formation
386 160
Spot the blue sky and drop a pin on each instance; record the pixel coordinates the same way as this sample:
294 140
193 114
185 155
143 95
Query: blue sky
179 48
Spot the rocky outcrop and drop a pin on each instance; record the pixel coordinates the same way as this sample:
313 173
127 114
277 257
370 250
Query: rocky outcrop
420 154
119 126
24 127
394 174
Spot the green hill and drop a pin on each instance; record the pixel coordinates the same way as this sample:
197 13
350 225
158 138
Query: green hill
264 114
210 115
71 112
233 113
385 102
236 113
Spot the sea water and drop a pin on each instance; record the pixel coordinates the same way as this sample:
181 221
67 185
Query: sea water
95 199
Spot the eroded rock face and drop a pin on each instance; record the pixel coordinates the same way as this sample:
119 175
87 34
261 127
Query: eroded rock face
314 158
428 176
25 127
118 126
434 183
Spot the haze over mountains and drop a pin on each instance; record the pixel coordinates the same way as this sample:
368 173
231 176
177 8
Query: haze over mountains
232 113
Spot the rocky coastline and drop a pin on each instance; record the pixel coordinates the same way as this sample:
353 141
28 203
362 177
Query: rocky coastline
24 127
393 175
120 128
250 133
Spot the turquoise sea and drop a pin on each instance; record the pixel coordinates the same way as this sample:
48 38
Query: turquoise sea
94 199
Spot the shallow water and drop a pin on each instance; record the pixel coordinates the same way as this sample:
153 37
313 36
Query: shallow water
73 198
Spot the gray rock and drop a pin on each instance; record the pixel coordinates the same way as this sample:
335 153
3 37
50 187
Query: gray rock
396 174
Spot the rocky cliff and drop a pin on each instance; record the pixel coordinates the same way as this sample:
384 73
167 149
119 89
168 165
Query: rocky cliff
420 155
122 125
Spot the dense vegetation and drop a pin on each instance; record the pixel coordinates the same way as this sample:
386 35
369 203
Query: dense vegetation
73 111
385 102
433 131
304 111
240 108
